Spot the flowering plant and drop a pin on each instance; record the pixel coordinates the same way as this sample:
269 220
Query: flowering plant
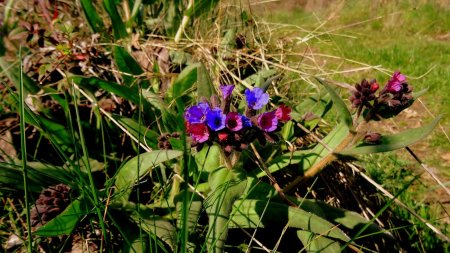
206 122
390 101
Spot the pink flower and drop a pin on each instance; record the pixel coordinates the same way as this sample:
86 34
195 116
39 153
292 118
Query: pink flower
268 121
198 131
394 85
283 113
234 121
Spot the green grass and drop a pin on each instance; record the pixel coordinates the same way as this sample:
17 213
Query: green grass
411 37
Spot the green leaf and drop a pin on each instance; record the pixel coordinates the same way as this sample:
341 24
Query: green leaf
185 80
308 158
117 24
195 206
13 72
205 87
94 20
65 222
227 185
168 114
317 106
393 142
251 213
346 218
128 66
155 225
147 136
128 173
317 243
129 93
343 112
209 158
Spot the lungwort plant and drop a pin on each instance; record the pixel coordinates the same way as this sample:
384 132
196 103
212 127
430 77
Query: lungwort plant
179 145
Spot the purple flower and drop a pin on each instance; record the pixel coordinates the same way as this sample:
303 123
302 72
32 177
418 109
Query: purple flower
197 113
394 85
234 121
226 90
256 98
198 131
268 121
215 119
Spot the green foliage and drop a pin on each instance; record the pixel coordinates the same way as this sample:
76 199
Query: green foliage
66 221
125 152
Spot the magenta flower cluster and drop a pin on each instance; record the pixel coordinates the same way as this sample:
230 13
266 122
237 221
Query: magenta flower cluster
209 122
391 100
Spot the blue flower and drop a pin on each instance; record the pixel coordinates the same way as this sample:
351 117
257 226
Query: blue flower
256 98
246 122
215 119
197 113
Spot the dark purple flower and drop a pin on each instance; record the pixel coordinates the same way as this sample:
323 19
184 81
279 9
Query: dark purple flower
234 121
198 131
394 85
268 121
226 90
215 119
283 113
197 113
256 98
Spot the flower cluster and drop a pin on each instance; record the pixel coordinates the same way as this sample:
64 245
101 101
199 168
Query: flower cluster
391 100
206 122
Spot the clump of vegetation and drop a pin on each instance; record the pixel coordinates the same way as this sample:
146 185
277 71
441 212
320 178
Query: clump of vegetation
139 126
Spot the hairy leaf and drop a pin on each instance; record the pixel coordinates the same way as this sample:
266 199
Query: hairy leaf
143 163
393 142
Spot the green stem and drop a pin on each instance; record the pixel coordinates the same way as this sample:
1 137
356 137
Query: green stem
23 150
91 178
183 24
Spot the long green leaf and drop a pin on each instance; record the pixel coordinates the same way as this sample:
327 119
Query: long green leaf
93 18
317 243
343 112
65 222
130 93
308 158
393 142
118 25
128 173
185 80
128 66
147 136
154 224
251 213
227 185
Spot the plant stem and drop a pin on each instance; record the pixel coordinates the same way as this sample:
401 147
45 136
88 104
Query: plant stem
183 24
23 150
91 178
